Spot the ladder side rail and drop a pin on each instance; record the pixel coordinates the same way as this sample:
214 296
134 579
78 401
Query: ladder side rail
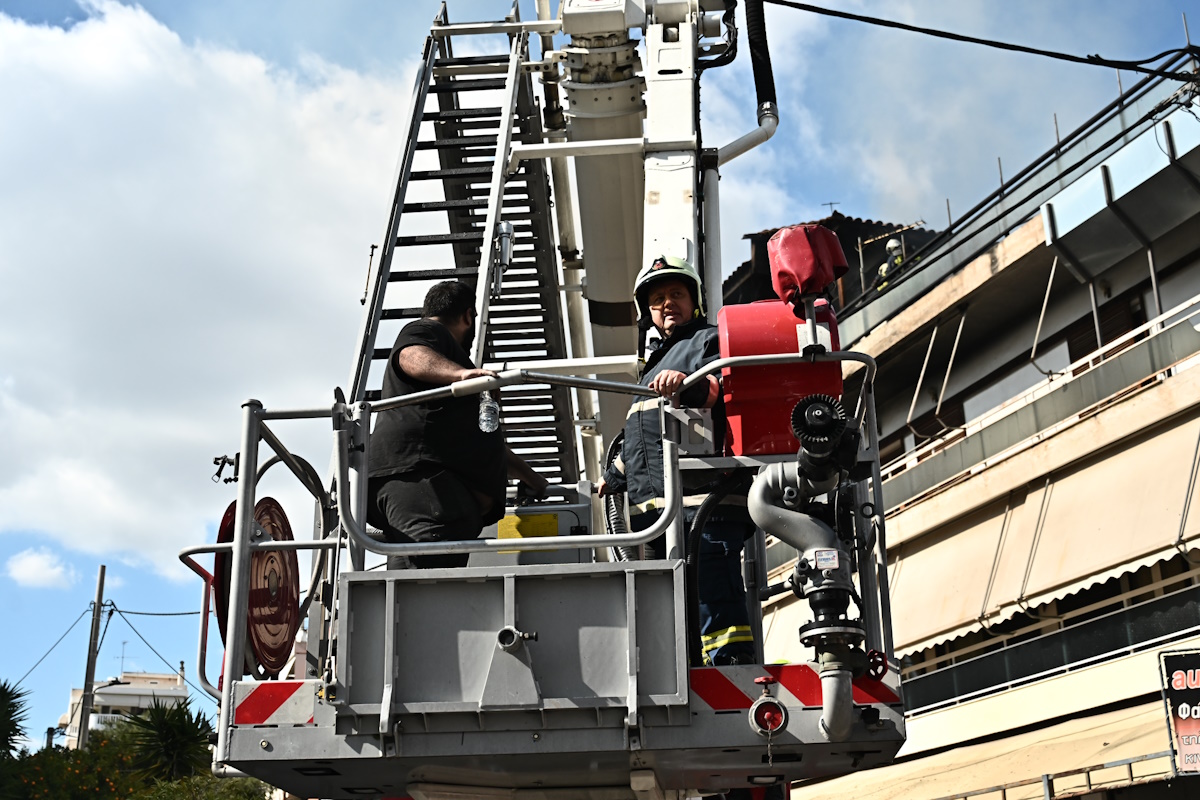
553 324
487 254
382 269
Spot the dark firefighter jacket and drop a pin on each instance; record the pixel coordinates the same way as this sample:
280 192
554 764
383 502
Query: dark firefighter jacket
638 471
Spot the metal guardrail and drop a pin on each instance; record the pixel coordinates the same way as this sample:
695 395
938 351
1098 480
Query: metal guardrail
1150 349
1140 628
1047 781
351 425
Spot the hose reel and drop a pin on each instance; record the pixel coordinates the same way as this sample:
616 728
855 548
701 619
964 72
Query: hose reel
273 598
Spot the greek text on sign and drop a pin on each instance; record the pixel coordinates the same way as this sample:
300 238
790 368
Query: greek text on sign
1181 684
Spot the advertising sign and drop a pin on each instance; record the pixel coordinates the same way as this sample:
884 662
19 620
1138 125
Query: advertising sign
1181 692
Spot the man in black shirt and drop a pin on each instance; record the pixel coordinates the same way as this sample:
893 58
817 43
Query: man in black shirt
433 474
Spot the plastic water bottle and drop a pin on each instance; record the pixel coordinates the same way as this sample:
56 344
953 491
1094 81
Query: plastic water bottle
489 413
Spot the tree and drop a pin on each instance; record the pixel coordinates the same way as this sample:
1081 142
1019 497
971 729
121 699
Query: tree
13 713
170 741
55 773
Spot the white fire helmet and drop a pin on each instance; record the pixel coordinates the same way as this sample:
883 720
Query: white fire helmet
666 267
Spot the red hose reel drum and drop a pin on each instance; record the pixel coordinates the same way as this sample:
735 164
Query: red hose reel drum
805 259
273 604
759 399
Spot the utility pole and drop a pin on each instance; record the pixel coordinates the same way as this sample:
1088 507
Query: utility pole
85 702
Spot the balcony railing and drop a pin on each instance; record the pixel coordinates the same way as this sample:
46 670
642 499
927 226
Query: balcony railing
1165 344
1129 630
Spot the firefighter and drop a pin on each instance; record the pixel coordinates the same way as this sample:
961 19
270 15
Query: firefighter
670 307
895 255
434 475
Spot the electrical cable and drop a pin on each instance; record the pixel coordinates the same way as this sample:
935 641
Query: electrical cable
51 650
903 275
1094 59
161 613
160 655
100 643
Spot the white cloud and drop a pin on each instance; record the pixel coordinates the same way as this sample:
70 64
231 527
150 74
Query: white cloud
40 569
185 226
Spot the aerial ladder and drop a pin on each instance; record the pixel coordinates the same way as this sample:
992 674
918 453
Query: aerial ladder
558 663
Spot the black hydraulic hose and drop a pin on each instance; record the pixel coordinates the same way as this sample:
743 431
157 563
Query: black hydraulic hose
614 505
729 20
760 56
692 563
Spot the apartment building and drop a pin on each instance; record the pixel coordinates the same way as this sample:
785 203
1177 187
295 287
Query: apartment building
1040 422
131 693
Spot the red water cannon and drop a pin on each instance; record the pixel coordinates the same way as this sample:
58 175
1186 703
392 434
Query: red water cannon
759 400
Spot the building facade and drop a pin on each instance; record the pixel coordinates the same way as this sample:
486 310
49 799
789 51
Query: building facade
130 694
1040 432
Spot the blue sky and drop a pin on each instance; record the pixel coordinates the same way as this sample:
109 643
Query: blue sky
190 189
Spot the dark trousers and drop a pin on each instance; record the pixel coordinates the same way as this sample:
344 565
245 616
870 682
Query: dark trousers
725 633
430 506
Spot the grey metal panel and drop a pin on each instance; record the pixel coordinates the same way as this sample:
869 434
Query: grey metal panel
362 661
1117 374
448 666
444 632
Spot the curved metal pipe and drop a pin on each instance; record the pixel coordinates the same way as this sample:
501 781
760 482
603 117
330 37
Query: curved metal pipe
807 534
765 502
768 121
837 704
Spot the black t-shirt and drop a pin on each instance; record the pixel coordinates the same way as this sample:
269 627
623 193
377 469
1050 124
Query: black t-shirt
444 433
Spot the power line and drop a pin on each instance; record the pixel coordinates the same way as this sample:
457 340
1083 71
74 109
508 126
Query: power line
161 613
1094 60
160 655
51 650
947 236
105 631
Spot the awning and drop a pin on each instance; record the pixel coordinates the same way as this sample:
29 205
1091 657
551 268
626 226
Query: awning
1087 744
1110 514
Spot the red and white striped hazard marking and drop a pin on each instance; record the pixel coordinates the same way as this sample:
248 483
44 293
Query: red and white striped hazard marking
274 702
733 688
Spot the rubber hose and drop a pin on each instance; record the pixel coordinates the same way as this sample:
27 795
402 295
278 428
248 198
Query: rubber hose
692 564
760 56
614 507
729 19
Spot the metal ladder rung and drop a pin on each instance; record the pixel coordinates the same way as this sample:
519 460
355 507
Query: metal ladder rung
401 313
465 61
476 125
453 172
432 274
462 113
445 205
457 141
468 86
439 238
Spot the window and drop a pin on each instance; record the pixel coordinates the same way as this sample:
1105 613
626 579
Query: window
1117 317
